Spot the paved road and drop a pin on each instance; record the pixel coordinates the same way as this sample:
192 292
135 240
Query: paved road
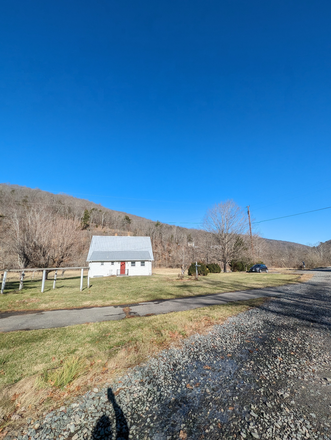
63 318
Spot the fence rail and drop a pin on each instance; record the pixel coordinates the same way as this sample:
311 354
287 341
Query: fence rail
44 270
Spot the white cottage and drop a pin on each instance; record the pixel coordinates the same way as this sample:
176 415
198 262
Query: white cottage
113 255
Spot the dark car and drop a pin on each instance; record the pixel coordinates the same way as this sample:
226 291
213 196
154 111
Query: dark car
259 268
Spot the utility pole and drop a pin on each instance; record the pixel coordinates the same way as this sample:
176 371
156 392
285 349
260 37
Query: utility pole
250 231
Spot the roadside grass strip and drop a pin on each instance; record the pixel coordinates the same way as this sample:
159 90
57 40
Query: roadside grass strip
129 290
42 369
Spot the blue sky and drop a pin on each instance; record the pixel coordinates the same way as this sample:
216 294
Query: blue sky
162 109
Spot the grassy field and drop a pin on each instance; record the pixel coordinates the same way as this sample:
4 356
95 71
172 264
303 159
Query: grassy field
42 369
129 290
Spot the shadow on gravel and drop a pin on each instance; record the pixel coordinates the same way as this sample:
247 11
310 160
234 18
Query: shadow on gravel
103 430
311 305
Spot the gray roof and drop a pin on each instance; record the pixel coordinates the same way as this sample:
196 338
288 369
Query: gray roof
120 256
114 248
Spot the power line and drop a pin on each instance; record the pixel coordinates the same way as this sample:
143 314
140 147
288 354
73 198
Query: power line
292 215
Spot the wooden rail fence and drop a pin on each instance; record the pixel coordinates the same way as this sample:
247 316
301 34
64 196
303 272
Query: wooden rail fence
44 270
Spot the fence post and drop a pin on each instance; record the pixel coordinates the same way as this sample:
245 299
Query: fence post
21 281
81 279
43 281
54 282
3 281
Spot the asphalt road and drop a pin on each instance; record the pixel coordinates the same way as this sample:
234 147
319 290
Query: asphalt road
13 321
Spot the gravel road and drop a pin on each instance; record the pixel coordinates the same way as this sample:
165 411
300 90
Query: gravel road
265 374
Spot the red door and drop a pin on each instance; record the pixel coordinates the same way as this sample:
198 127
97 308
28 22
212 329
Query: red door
122 268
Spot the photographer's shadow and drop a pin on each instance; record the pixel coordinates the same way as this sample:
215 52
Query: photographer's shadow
103 429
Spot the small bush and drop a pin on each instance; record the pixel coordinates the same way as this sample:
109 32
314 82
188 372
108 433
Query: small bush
238 266
214 268
202 269
242 265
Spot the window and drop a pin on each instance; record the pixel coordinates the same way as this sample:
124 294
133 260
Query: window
112 263
133 263
101 264
142 263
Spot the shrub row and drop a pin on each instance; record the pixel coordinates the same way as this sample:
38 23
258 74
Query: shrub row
242 265
236 266
204 269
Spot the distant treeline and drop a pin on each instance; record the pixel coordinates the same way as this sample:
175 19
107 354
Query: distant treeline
39 229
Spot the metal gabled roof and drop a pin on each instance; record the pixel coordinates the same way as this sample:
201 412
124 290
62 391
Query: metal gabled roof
120 256
115 248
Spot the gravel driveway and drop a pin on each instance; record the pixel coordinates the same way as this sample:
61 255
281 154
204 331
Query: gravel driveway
265 374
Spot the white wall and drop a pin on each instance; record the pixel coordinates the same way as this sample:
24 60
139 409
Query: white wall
138 269
106 269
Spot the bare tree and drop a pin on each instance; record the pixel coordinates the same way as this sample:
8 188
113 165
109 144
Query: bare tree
227 222
40 239
168 241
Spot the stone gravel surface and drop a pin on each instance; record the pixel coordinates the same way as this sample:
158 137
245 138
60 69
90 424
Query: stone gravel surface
265 374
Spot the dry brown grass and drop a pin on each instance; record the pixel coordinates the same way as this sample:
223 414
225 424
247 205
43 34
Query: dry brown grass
303 276
167 271
306 277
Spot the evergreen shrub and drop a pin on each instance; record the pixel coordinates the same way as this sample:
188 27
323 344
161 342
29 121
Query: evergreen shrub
214 268
242 265
202 269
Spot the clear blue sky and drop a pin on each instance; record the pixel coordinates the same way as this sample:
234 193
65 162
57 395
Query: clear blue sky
163 108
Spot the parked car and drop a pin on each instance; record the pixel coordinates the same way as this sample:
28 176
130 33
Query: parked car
259 268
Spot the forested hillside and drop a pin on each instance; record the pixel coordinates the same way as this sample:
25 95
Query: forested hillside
40 229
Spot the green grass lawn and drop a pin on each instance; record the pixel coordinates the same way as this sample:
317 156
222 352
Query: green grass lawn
40 369
129 290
